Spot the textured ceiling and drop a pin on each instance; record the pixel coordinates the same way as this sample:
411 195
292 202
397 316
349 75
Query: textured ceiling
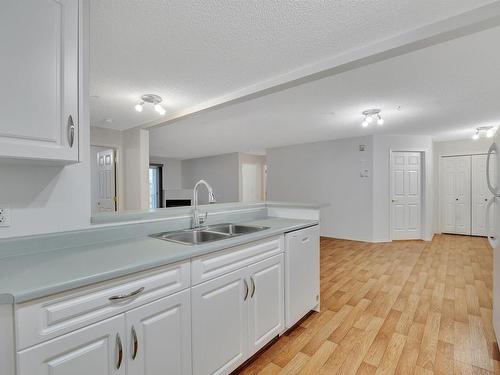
190 51
445 90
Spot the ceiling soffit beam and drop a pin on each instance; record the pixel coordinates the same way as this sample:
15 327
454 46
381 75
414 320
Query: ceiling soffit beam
467 23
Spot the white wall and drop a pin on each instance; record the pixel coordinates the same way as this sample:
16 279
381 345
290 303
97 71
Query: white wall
460 147
50 199
327 172
220 171
108 138
382 146
136 160
172 172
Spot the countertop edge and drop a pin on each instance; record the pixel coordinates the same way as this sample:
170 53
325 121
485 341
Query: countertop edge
7 298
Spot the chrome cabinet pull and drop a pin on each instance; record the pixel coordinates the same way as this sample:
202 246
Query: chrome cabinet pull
119 351
125 296
71 131
253 286
246 289
135 344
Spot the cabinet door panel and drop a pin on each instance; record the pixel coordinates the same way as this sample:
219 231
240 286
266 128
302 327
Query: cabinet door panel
91 350
220 324
267 314
159 337
39 75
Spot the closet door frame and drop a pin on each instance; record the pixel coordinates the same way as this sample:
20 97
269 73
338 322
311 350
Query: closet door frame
442 191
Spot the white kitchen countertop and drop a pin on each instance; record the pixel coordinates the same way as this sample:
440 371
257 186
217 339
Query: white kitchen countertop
29 276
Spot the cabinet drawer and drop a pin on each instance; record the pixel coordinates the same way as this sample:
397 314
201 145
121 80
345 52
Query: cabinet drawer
209 266
46 318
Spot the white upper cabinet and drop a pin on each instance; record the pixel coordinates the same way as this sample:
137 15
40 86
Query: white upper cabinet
39 80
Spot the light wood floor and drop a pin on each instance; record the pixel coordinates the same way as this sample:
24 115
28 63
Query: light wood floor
405 307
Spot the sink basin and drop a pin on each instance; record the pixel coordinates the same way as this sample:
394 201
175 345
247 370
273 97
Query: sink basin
235 229
191 237
208 234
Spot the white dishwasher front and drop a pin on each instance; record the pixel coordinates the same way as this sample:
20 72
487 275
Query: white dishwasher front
301 273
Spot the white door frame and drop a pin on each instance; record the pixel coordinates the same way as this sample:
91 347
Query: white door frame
424 199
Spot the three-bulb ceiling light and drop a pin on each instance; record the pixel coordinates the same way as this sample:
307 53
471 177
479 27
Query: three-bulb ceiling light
488 131
153 99
370 115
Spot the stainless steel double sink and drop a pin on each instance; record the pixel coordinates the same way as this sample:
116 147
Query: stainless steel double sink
208 234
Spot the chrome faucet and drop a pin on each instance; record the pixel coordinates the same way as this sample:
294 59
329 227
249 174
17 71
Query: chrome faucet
198 220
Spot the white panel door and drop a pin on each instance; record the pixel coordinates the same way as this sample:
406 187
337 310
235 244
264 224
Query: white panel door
220 323
98 349
406 195
266 315
39 79
159 336
106 197
456 195
481 195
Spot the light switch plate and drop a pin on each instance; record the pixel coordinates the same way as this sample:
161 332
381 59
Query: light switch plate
4 215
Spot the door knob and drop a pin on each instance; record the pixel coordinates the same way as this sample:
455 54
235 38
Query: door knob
456 199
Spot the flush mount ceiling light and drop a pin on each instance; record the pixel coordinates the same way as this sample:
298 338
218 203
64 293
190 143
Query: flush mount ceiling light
486 131
153 99
370 115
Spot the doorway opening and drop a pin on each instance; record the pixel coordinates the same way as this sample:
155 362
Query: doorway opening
155 185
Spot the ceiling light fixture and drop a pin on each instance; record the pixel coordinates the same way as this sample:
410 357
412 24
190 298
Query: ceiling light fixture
153 99
487 131
370 115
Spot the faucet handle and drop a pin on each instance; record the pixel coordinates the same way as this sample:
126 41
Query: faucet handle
203 219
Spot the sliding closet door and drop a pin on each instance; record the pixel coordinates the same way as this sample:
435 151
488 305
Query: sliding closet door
456 195
480 196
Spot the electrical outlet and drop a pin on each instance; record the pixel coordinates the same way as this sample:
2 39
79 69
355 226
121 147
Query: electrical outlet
4 215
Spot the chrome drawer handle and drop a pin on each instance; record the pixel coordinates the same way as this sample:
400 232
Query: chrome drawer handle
253 287
135 344
125 296
246 289
119 351
71 131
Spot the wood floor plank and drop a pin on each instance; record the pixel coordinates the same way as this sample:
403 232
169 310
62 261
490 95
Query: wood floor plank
406 307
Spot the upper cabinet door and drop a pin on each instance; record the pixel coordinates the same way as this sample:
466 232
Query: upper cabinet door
159 336
39 75
98 349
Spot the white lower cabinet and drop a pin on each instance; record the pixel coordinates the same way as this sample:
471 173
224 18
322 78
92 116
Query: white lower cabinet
210 328
149 340
235 315
266 316
220 323
159 337
91 350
